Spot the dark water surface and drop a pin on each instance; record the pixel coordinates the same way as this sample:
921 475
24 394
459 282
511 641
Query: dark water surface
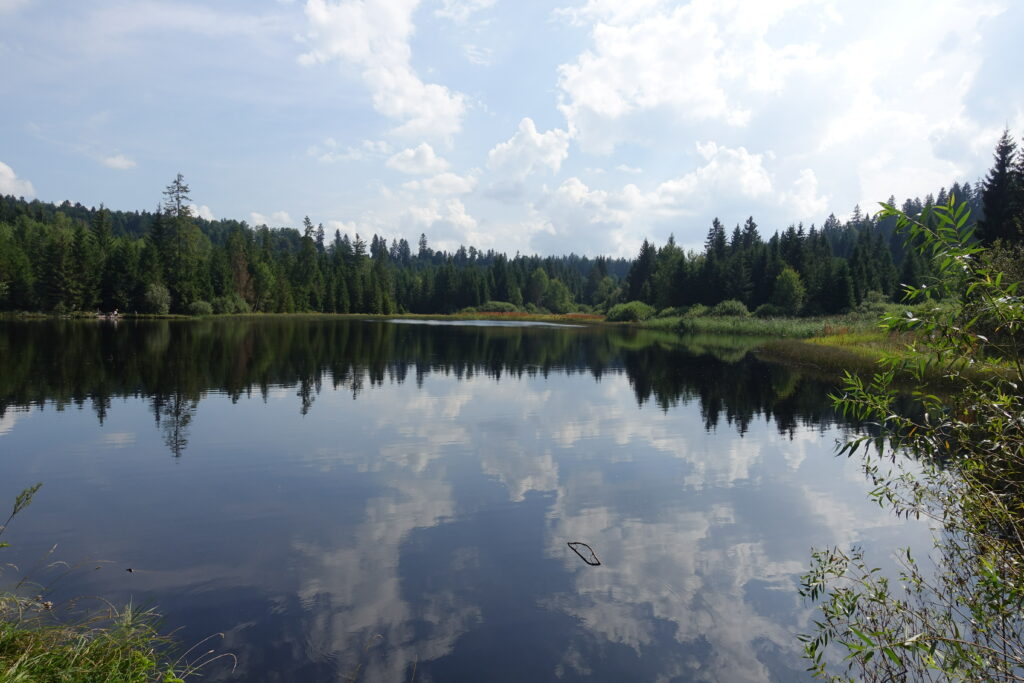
381 500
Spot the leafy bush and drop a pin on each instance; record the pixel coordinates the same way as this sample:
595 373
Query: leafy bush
789 292
730 307
961 621
200 308
158 299
230 304
670 312
633 311
874 303
769 311
557 297
696 310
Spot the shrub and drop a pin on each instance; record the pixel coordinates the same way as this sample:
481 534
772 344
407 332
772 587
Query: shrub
200 308
960 620
874 303
789 292
730 307
769 311
695 311
633 311
158 299
233 303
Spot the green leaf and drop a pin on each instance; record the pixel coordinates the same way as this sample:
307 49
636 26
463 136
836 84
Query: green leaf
857 632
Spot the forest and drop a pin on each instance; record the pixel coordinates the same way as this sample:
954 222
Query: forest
68 257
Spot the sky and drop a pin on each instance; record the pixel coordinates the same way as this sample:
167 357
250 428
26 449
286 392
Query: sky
534 126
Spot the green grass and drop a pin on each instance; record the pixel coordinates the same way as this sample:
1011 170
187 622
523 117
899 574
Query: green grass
42 643
110 645
746 325
666 323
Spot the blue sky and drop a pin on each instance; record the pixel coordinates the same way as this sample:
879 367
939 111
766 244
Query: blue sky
533 126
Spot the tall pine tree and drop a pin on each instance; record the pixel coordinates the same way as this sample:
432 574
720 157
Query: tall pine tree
1001 196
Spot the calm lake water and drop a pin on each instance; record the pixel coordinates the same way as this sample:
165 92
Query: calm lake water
386 501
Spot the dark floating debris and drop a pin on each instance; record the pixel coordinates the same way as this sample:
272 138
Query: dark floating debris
585 552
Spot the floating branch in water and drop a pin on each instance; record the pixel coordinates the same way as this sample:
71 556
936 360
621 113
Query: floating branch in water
587 555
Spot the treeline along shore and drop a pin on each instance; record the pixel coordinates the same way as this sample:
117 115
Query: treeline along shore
67 257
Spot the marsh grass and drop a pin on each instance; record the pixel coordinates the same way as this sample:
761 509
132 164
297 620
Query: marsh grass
107 645
745 325
670 323
42 642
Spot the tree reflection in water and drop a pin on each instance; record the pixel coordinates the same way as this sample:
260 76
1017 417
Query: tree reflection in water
176 363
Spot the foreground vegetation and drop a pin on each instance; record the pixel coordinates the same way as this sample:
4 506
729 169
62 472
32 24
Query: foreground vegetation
959 462
42 642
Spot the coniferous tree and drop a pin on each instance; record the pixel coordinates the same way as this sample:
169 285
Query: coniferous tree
1001 194
640 274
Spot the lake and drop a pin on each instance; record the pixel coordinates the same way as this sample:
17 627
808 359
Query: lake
370 500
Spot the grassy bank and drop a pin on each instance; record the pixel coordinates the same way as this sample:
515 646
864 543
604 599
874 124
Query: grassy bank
123 646
42 642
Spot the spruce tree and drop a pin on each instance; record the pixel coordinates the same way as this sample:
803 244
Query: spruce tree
1001 194
640 274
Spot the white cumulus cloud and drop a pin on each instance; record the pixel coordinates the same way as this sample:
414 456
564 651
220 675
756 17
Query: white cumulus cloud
528 151
329 152
803 199
419 160
725 171
460 11
448 224
694 60
443 184
481 56
11 184
374 37
615 221
275 220
202 212
119 162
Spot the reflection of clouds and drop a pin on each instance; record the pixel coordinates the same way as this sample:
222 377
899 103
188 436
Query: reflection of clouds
9 419
694 565
520 471
612 413
352 592
498 422
672 571
702 535
705 565
280 393
119 439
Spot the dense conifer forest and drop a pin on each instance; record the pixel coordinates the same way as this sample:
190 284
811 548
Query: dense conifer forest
68 257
